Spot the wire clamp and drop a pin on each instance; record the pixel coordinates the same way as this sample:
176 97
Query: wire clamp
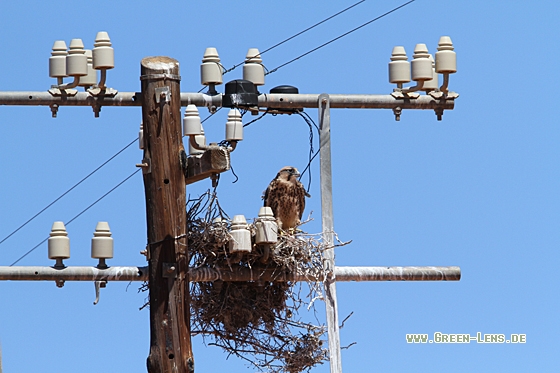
163 95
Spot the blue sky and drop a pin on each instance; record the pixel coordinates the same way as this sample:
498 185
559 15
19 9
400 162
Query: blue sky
478 189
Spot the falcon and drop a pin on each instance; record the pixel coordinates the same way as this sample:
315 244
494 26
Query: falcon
285 195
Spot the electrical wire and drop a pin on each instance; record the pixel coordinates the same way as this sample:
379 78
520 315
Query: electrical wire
256 119
78 215
226 71
87 208
298 34
312 155
211 114
68 191
340 36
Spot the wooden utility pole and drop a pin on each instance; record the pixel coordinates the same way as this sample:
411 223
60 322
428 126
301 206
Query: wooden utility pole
164 184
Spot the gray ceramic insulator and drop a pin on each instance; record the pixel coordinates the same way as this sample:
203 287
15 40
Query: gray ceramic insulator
91 78
234 126
76 61
103 53
57 61
421 64
253 70
200 140
102 242
446 58
267 229
59 243
191 121
432 84
211 71
141 136
399 67
240 235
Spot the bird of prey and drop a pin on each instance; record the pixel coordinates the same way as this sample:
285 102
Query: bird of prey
285 195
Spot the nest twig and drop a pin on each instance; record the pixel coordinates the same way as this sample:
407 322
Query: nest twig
257 321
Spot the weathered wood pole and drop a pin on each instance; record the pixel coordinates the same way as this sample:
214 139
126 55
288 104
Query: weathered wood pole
164 184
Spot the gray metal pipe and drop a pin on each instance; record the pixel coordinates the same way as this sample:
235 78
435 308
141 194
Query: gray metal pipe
225 274
272 101
397 273
340 101
21 273
19 98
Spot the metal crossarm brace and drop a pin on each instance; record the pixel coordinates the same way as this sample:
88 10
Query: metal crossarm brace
29 273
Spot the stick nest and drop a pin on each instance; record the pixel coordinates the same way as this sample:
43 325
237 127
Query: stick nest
257 321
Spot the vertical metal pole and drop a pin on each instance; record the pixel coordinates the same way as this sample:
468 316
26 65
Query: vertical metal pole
328 232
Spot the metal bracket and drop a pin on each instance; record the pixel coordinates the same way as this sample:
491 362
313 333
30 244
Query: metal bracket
55 92
398 94
438 95
169 270
103 92
163 93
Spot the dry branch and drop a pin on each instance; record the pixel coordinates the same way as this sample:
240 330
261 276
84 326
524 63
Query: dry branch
255 320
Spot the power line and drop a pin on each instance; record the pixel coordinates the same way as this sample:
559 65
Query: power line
256 119
269 72
298 34
210 116
73 187
339 37
312 156
68 191
78 215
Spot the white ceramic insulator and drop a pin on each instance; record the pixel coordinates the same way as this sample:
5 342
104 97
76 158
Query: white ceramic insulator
446 58
234 126
141 136
76 61
103 53
266 212
91 77
102 242
267 229
211 71
200 140
219 224
57 61
421 64
59 243
399 67
432 84
253 70
191 121
240 235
